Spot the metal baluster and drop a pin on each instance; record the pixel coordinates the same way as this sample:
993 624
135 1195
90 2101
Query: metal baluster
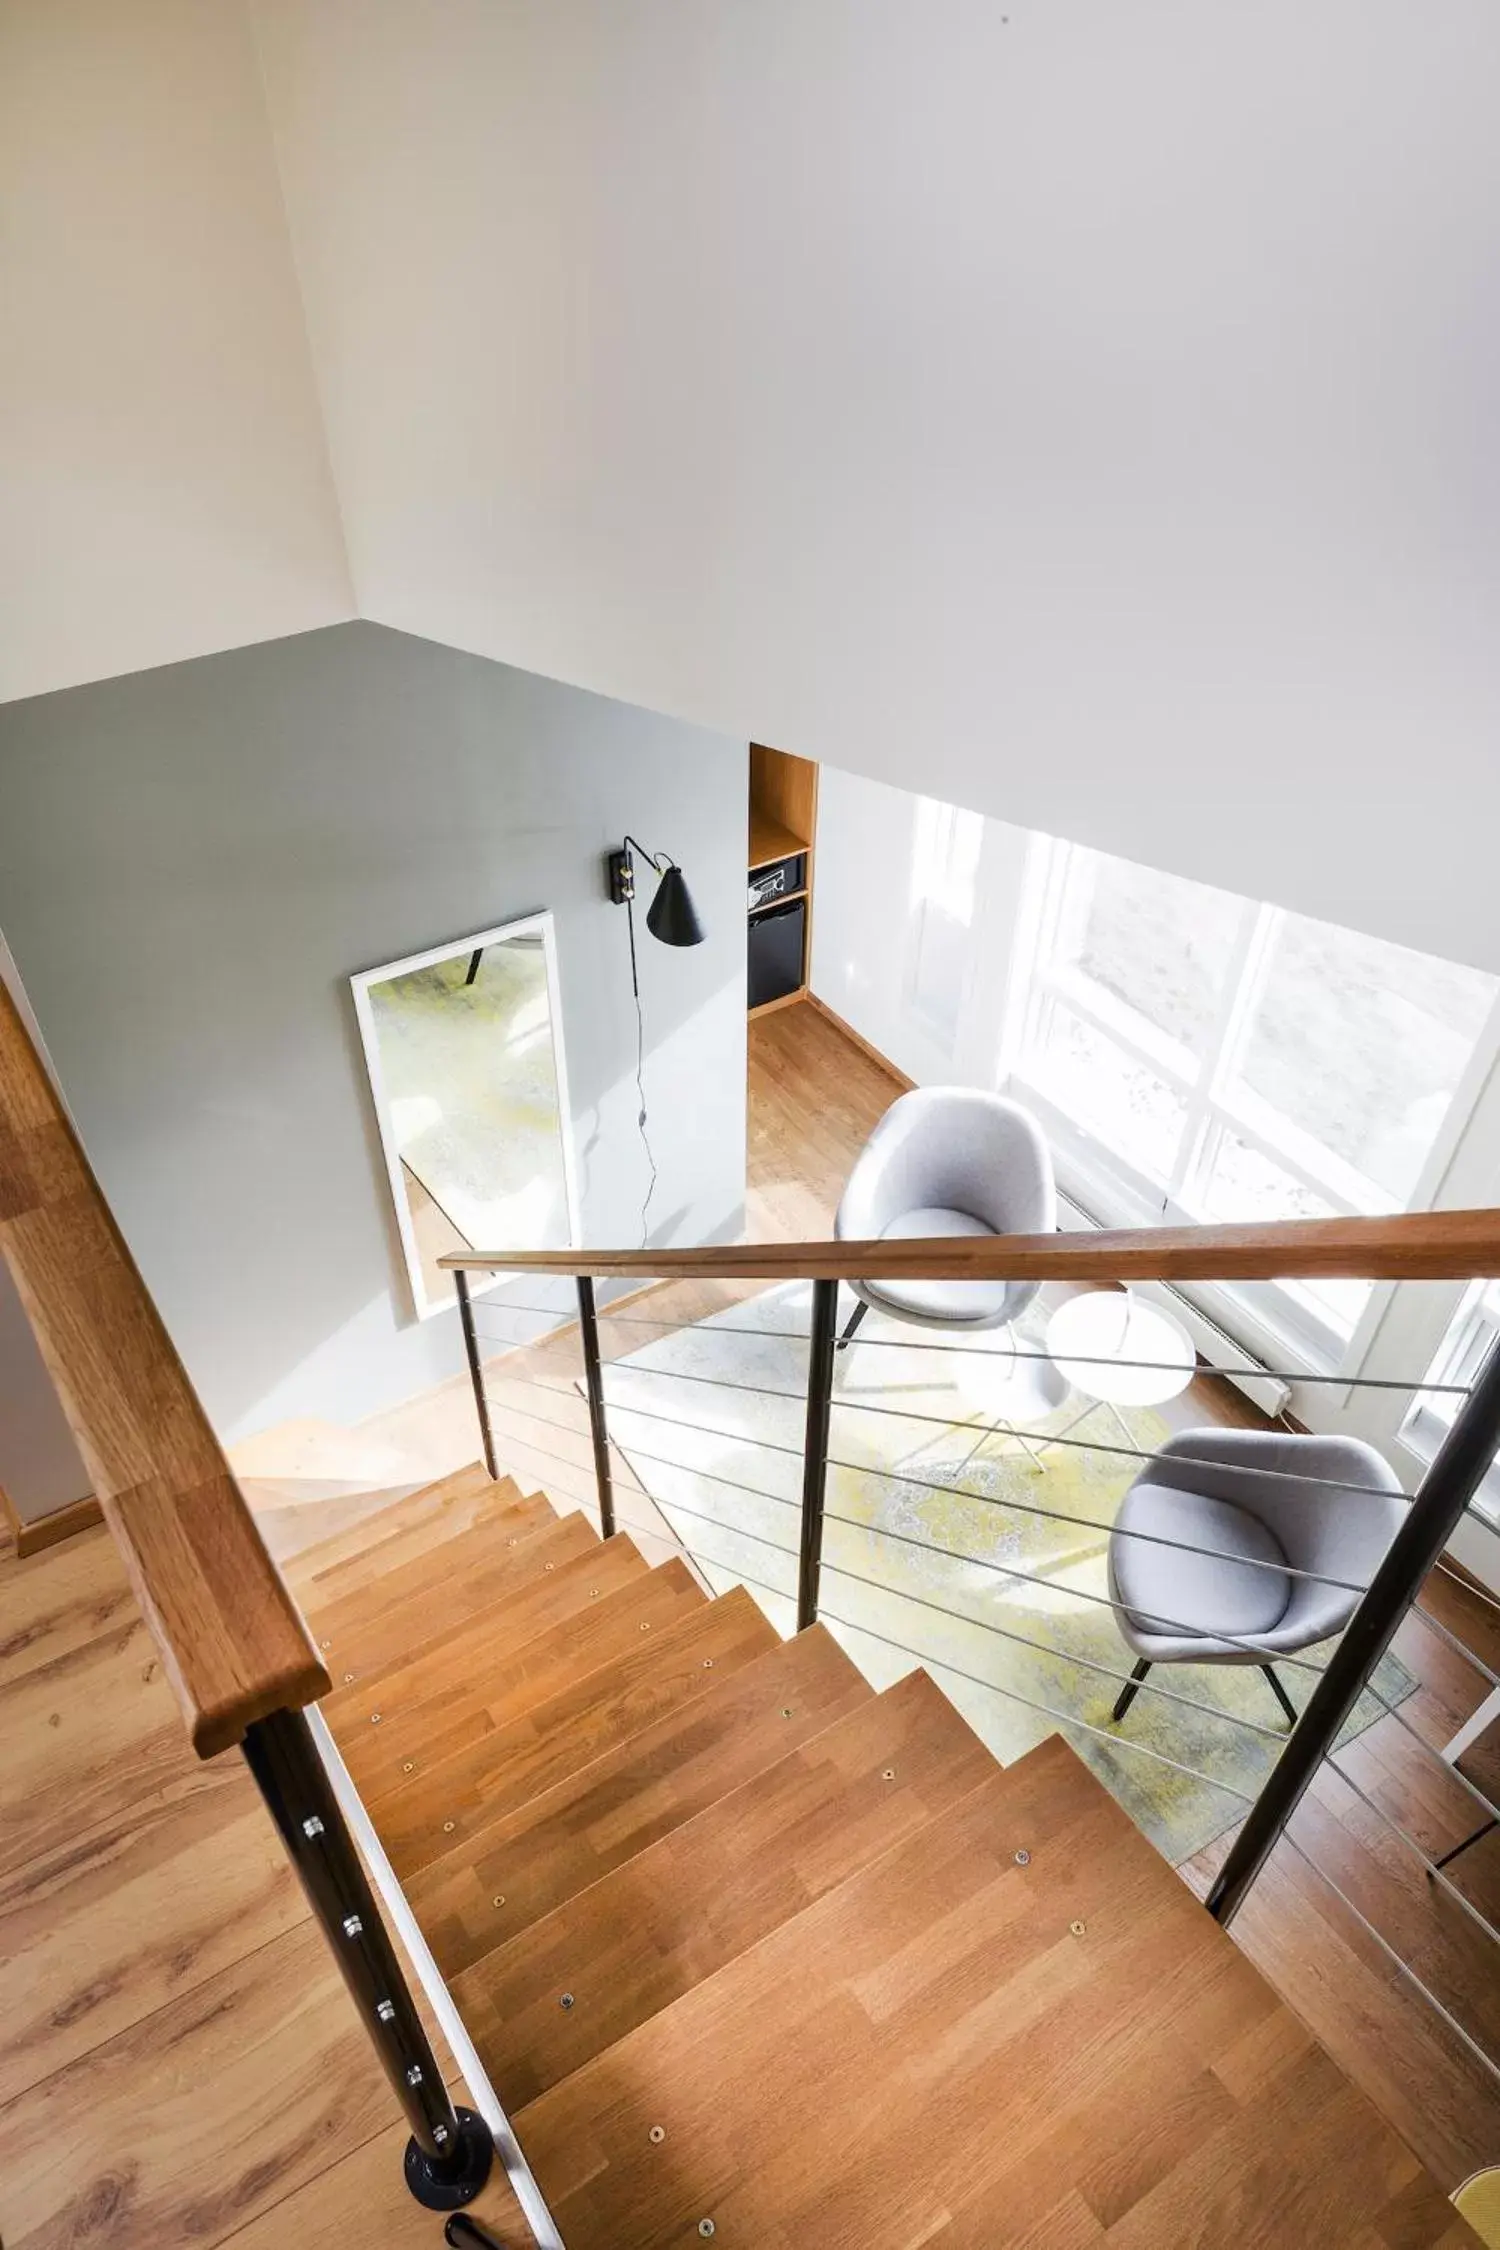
476 1371
450 2152
594 1384
1453 1477
815 1446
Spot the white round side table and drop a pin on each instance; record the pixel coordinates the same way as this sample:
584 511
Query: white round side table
1118 1350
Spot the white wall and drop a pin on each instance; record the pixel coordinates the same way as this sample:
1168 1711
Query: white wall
164 483
1083 408
866 927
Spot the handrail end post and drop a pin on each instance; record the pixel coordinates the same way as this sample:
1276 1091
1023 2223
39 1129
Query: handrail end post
820 1351
593 1377
476 1369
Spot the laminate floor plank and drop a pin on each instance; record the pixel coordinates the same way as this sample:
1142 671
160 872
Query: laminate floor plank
45 1612
111 1925
198 2118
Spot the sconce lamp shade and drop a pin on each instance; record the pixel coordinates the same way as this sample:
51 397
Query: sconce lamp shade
672 916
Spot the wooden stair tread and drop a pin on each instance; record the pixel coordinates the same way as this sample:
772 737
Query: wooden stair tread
433 1572
517 1762
661 1923
421 1506
404 1748
488 1502
452 1660
372 1640
933 2053
521 1866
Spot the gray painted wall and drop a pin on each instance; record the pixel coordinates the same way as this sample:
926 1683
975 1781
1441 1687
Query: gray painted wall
192 863
40 1467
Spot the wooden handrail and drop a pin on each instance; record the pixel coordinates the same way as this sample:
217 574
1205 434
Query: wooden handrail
1414 1246
231 1638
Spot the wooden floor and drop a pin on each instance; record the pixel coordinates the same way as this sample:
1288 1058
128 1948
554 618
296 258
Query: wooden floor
178 2063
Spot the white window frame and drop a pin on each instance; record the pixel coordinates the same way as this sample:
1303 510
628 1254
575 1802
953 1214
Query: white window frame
1287 1318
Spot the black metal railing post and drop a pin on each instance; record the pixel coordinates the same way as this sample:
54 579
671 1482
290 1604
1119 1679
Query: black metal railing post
593 1377
820 1349
450 2152
1453 1477
476 1370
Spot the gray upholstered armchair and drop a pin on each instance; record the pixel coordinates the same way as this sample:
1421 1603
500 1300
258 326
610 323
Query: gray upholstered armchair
948 1160
1263 1504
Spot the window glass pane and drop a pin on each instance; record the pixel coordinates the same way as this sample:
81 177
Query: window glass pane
1360 1044
1244 1183
1108 1092
1159 943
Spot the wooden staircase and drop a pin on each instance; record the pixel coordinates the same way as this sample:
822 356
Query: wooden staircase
754 1954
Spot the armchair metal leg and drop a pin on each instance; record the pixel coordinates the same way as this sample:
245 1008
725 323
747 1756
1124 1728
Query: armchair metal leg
1287 1705
1131 1689
851 1324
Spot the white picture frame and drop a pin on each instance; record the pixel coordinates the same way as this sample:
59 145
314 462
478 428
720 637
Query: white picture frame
424 1284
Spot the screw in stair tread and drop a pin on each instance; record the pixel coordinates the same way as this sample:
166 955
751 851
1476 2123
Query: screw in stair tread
451 1662
911 2040
392 1548
364 1641
427 1503
519 1761
666 1919
526 1863
522 1670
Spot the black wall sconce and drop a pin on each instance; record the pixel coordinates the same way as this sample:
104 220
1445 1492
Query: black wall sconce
671 916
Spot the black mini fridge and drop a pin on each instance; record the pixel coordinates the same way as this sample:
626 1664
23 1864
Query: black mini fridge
776 935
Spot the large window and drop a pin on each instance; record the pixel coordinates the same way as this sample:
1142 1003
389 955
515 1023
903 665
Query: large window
1218 1059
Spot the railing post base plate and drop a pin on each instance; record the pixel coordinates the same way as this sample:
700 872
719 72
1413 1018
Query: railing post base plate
448 2186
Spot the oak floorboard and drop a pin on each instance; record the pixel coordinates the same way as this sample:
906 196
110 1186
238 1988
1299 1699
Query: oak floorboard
198 2118
112 1925
84 1735
45 1612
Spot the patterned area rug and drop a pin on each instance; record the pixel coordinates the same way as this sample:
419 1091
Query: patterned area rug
997 1584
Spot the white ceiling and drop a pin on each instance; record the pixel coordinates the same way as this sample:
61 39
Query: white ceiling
1080 408
164 483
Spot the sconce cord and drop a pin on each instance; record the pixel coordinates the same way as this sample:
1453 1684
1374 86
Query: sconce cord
640 1072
